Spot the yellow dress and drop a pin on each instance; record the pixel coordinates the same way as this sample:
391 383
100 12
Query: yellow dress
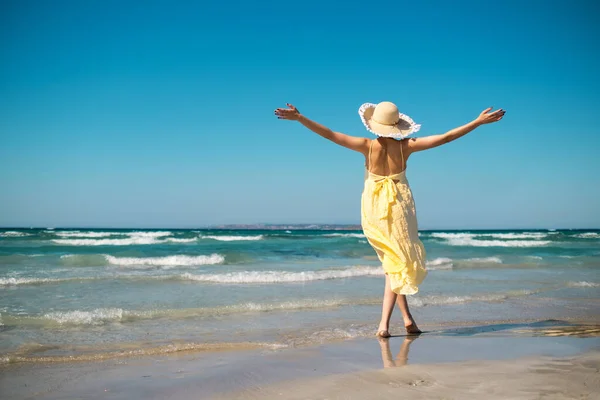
389 221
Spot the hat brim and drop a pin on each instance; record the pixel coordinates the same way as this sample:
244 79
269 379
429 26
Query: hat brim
400 130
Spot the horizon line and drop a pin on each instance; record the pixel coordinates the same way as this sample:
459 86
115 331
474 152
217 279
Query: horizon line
282 226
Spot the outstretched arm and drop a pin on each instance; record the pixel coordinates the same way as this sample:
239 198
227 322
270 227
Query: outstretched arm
429 142
351 142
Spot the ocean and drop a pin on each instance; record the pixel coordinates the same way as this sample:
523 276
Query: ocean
93 294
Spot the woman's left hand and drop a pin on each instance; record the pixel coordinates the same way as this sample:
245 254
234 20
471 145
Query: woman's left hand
290 113
487 117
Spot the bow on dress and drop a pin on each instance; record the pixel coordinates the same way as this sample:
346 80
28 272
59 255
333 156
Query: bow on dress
386 187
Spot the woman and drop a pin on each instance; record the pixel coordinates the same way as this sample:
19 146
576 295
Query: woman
388 217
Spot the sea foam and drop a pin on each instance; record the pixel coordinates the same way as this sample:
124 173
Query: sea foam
94 317
135 238
107 242
588 235
524 235
79 234
172 261
181 240
149 234
492 260
232 238
442 263
498 243
470 239
439 263
14 234
36 281
449 300
462 235
102 316
351 235
283 276
583 284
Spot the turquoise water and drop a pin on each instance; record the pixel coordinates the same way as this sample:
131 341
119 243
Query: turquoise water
83 293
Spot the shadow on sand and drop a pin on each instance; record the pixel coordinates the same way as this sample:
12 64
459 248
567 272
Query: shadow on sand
550 327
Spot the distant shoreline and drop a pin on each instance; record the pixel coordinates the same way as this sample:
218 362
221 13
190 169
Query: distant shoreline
274 227
297 227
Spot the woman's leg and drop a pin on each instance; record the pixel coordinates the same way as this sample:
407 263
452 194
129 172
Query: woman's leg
409 322
389 298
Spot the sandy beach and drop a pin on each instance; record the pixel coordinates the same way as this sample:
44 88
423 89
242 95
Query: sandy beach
526 378
547 359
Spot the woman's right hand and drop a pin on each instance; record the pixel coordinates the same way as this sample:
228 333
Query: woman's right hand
290 113
487 117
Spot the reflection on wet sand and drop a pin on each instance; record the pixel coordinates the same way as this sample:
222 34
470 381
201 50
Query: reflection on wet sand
402 357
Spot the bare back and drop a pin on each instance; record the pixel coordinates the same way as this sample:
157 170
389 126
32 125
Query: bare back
386 156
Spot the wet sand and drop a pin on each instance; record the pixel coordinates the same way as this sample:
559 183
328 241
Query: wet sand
525 378
516 361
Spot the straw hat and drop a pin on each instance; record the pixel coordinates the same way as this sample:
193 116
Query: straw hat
385 120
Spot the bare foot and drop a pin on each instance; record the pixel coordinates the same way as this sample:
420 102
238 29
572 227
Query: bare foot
382 332
411 327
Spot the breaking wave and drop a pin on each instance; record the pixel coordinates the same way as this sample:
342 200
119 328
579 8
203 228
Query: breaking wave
584 284
492 260
10 234
439 263
470 239
169 261
352 235
102 316
449 300
232 238
80 234
588 235
284 276
135 238
36 281
107 242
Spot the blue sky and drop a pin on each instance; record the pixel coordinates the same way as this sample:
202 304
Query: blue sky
160 114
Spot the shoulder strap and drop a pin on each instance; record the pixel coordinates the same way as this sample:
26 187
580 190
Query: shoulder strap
369 156
402 155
